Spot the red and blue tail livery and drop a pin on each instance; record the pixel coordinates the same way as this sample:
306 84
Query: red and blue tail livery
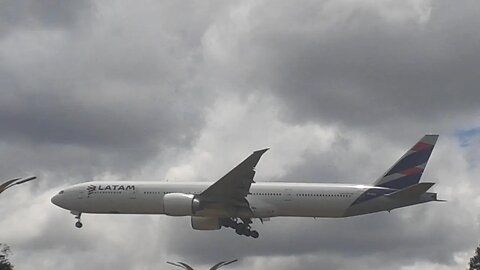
408 170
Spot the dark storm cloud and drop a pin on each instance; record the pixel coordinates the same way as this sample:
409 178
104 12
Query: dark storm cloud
50 14
58 118
126 132
100 97
360 68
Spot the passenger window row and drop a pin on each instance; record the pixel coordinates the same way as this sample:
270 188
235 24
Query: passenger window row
267 194
166 192
323 195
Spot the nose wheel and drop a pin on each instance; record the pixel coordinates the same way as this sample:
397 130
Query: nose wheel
78 224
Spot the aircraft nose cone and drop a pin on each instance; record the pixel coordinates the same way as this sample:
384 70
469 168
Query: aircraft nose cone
56 200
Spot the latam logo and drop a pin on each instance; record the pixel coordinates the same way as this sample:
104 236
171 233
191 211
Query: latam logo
93 188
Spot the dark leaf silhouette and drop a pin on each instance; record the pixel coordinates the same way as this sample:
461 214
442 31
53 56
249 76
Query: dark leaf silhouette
13 182
474 263
4 252
215 267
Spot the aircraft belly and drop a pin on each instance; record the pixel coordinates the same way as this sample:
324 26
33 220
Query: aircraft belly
121 205
385 204
263 208
313 207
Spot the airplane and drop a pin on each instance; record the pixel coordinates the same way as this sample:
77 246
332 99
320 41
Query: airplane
235 199
17 181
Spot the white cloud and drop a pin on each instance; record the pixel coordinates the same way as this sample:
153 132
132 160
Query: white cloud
236 126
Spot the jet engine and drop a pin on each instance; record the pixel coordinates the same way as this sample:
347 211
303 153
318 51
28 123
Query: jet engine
180 204
206 223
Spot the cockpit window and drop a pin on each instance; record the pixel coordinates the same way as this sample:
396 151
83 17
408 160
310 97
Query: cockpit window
61 192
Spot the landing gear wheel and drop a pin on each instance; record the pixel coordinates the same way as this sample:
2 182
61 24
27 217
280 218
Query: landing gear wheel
229 223
78 224
240 228
240 231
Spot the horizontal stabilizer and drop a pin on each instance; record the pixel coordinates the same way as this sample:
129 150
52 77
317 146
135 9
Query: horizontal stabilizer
411 191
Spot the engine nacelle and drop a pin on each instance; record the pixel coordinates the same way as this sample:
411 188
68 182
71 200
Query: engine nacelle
180 204
206 223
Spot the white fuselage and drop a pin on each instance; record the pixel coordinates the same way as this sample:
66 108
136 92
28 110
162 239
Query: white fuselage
265 199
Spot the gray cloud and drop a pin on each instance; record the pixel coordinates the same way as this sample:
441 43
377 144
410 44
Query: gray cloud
361 67
153 89
100 94
51 14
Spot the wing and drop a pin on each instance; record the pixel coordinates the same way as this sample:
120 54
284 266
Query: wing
232 189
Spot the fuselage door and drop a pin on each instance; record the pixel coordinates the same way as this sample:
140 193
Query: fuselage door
131 194
81 194
287 195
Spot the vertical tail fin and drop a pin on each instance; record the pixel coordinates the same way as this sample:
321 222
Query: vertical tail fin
408 170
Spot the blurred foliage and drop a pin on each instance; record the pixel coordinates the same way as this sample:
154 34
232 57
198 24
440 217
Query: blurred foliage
4 252
474 263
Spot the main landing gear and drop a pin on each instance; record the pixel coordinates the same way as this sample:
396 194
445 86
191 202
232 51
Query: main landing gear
78 224
241 228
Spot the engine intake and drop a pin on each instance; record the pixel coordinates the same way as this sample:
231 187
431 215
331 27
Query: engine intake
180 204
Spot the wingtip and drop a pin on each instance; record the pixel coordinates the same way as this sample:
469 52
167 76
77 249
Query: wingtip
430 138
262 150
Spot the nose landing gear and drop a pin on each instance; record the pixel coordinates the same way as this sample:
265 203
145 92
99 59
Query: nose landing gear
78 224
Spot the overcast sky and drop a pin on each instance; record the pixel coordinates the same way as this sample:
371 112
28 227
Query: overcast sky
184 90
